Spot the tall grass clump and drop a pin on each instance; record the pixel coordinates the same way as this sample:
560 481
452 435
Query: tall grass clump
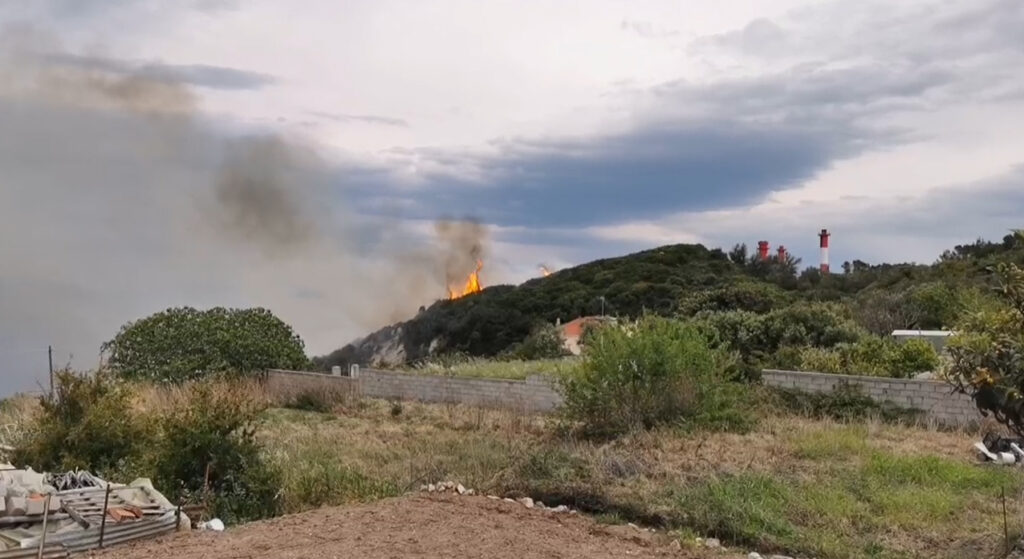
657 372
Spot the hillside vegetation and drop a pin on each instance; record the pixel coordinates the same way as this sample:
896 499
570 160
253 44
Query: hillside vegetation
694 281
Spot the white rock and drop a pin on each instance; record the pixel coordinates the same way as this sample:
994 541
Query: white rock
424 487
574 512
561 508
495 497
460 489
431 487
675 544
780 557
712 543
754 555
470 492
507 500
526 502
633 526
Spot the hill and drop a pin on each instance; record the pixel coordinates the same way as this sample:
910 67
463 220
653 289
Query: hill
664 281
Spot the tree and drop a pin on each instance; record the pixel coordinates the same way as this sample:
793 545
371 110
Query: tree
184 343
988 353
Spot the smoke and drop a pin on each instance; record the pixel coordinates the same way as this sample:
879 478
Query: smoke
258 196
126 199
462 245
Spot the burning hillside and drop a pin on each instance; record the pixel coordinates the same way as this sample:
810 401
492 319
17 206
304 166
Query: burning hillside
472 286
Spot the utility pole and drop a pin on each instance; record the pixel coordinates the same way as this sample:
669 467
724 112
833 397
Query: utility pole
49 353
602 306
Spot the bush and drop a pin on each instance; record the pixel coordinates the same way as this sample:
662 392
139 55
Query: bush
657 372
201 448
544 342
988 354
209 453
872 356
184 343
88 424
742 296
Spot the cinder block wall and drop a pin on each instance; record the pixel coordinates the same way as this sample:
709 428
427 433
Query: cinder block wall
935 398
283 386
535 394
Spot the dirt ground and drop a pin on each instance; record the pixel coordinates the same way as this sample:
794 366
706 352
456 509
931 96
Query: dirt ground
421 526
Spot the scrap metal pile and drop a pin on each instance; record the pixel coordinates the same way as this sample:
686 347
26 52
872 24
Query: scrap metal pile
72 512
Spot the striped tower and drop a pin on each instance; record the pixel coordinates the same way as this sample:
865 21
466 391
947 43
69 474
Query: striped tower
823 236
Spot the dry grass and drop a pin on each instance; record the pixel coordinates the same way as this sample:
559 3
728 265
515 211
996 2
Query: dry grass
17 415
794 485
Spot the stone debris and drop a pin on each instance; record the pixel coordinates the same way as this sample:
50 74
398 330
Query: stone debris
780 557
712 543
459 489
754 555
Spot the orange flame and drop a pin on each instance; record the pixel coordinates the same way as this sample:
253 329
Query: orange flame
544 270
472 283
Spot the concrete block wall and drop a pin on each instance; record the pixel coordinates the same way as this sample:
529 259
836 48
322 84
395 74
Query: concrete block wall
535 394
283 386
934 398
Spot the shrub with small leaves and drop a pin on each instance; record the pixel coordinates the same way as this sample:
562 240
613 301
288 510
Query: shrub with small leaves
184 343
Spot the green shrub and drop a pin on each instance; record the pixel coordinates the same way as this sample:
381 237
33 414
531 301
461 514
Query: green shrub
544 342
87 424
913 356
208 453
742 296
184 343
872 356
988 353
657 372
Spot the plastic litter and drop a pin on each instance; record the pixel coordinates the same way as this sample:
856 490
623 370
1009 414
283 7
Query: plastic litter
214 525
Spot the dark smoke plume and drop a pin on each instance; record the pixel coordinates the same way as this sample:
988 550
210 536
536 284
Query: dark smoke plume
462 246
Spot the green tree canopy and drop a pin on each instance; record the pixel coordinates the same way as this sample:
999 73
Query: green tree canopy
185 343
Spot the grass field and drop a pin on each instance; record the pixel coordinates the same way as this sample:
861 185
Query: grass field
794 485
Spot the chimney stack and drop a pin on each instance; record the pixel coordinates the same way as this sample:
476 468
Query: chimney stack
823 236
762 250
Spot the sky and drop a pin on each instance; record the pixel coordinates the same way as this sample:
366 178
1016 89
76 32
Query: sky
299 156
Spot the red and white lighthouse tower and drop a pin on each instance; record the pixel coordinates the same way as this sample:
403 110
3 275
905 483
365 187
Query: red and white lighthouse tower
762 250
823 236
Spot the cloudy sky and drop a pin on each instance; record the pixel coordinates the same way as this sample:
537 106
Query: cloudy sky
158 153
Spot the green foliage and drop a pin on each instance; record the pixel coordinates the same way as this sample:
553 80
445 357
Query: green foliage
208 452
988 354
204 449
544 342
742 296
758 338
488 323
88 424
184 343
657 372
872 356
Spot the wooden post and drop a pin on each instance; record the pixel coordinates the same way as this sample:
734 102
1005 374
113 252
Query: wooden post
46 516
103 520
49 352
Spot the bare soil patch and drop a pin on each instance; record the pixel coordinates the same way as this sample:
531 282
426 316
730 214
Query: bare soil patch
420 526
